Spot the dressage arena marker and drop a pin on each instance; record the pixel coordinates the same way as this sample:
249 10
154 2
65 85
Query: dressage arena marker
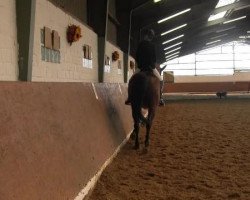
93 86
91 184
120 88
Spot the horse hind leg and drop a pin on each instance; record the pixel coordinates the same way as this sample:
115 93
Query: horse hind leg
148 127
136 132
136 127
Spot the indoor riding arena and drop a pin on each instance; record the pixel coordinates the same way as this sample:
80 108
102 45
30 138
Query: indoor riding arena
124 100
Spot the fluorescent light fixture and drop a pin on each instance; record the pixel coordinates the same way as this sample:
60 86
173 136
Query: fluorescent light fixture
224 3
176 38
175 15
213 38
226 29
213 42
236 19
174 29
217 16
244 37
176 53
248 31
156 1
173 50
171 58
173 46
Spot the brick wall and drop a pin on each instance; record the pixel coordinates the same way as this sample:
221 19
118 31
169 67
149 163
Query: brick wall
70 69
8 41
130 71
114 76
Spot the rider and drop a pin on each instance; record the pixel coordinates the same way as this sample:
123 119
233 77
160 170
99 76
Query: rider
146 55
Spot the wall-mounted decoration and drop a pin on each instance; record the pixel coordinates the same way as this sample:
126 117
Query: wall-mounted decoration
73 33
115 55
50 46
47 38
132 64
87 56
119 67
107 64
55 40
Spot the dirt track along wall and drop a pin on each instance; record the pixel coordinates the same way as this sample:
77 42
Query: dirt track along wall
56 136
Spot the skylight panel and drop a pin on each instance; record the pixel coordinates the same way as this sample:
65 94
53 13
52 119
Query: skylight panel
222 3
217 16
220 15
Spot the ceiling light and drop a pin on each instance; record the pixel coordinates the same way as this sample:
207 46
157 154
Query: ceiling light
176 53
176 38
236 19
224 3
174 29
156 1
172 50
213 42
244 37
173 46
217 16
226 29
248 31
171 58
175 15
212 38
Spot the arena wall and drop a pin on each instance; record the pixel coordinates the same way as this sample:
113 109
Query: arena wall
56 136
237 77
8 38
203 87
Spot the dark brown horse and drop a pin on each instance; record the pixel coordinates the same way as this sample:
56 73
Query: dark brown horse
144 92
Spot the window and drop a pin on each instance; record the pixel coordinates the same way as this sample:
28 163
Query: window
221 60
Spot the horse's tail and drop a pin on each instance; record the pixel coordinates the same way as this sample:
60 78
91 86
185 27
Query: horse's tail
138 92
137 114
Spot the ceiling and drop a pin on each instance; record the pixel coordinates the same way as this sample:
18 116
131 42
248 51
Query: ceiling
198 31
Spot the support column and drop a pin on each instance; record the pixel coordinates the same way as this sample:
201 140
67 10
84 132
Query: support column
124 17
98 19
25 14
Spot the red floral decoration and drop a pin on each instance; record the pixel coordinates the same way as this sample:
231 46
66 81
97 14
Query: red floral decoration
115 56
73 33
